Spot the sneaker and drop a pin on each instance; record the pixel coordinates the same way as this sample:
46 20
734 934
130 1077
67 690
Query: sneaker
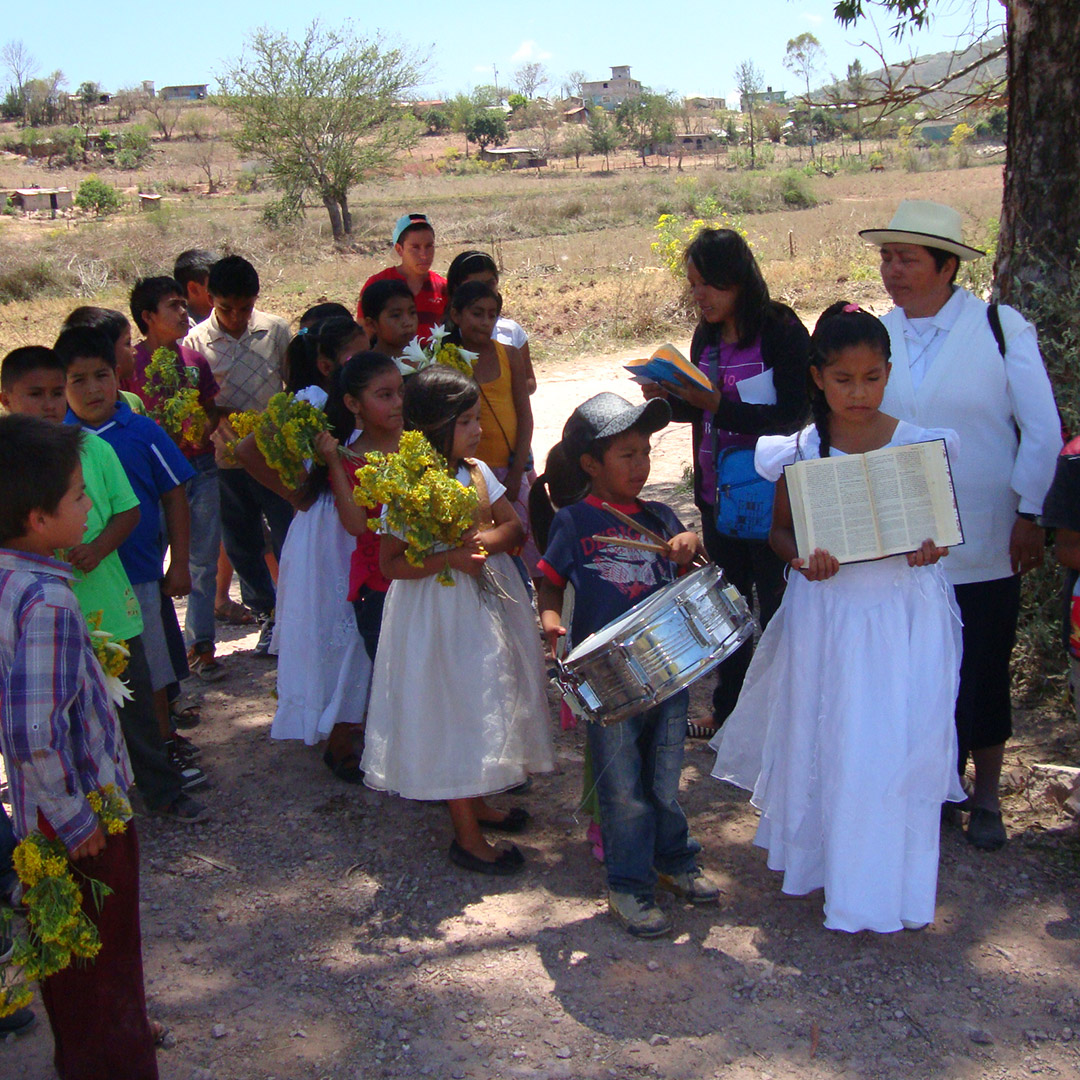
985 830
262 646
639 914
186 746
181 754
184 810
20 1022
191 776
692 885
205 665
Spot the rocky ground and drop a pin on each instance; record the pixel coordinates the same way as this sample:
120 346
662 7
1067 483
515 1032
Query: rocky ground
315 930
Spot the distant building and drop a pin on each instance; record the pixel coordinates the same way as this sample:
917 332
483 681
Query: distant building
768 96
576 114
514 157
611 93
29 200
194 92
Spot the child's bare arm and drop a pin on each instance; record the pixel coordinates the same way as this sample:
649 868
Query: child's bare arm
87 557
392 562
177 581
530 380
507 533
1067 548
550 602
354 519
519 389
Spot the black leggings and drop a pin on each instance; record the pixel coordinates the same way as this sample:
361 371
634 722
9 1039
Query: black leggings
368 607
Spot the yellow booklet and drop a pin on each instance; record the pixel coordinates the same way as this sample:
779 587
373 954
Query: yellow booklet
666 365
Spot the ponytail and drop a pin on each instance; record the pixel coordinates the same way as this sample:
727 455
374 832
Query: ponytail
562 482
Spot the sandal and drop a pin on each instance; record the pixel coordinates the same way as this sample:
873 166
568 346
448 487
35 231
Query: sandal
515 821
186 716
346 768
234 614
694 730
159 1032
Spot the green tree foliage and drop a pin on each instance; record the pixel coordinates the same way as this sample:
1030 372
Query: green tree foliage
321 111
575 142
98 197
749 81
603 138
647 121
804 54
487 128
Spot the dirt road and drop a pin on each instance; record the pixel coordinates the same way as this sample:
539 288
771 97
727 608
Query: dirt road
315 930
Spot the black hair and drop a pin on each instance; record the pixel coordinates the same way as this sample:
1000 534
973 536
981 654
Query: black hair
379 293
329 309
148 292
724 260
416 226
941 257
37 462
109 322
193 265
83 342
20 362
840 326
351 378
434 399
325 338
232 277
464 265
468 294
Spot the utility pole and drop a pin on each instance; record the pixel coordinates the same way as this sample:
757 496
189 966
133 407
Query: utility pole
498 96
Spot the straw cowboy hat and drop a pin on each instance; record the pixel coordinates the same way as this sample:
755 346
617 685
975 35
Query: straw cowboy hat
931 224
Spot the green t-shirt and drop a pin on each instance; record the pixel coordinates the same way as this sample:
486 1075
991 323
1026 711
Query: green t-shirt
106 588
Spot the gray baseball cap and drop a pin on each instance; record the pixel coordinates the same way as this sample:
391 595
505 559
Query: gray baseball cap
608 414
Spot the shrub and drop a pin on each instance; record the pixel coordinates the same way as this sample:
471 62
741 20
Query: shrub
674 233
135 147
794 190
98 197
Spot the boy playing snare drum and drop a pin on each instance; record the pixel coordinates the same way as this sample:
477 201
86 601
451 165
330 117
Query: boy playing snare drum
604 458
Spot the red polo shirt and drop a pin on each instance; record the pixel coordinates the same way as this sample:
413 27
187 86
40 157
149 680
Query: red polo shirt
430 300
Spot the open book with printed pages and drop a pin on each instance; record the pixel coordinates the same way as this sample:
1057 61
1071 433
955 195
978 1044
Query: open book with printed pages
666 365
860 507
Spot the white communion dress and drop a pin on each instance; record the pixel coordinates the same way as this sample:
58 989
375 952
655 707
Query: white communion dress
458 704
844 729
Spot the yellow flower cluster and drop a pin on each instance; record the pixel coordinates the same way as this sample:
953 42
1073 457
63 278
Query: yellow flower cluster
439 351
112 655
424 503
58 930
285 435
173 388
674 233
455 357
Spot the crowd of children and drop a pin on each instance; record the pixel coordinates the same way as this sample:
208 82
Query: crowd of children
106 519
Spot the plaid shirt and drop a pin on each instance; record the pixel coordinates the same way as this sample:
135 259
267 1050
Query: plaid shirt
248 368
58 730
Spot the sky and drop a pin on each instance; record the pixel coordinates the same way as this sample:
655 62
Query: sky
685 46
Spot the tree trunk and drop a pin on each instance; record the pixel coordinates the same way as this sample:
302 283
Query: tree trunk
1040 214
334 211
346 214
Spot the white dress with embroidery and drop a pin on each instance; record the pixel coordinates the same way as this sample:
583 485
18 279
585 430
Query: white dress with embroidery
323 668
458 697
844 729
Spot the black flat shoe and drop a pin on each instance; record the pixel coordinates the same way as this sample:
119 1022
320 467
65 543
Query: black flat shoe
347 769
516 821
986 830
508 862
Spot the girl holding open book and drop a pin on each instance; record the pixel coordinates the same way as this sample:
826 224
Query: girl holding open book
844 729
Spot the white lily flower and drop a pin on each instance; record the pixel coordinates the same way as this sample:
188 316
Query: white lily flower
415 355
437 334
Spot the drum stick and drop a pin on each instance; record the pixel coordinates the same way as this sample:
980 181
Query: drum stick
622 541
639 528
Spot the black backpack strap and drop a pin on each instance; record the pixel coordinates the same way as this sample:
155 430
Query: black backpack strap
994 319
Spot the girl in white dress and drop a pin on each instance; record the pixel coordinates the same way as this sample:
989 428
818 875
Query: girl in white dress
844 729
458 708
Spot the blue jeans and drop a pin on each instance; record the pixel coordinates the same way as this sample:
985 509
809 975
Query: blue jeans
637 764
205 502
244 504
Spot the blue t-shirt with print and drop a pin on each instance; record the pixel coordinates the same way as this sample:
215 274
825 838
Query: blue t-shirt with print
608 580
154 465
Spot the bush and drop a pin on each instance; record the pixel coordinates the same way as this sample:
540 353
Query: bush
98 197
794 190
135 147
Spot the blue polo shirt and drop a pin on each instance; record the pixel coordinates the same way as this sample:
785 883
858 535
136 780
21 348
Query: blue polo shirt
154 465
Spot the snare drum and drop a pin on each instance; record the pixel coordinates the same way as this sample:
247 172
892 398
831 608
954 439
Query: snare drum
658 647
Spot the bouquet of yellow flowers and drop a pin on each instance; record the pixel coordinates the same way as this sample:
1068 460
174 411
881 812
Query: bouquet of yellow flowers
113 657
172 389
58 930
285 435
425 504
438 351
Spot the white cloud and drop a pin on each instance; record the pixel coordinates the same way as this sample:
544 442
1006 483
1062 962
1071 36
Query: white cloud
815 20
529 51
481 69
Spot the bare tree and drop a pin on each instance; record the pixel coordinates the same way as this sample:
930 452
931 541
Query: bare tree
208 159
531 77
803 55
748 81
22 67
166 113
572 82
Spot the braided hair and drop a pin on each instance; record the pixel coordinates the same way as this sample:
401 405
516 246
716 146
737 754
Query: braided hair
840 326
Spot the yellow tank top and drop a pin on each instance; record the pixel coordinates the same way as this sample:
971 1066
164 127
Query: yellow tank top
497 416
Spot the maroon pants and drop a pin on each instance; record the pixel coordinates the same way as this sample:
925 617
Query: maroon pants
97 1008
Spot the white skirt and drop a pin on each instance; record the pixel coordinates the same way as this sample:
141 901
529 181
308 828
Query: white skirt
458 705
323 669
844 732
